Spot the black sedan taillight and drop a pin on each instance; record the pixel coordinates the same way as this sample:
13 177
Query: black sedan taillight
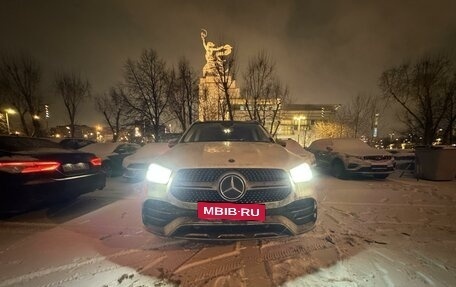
28 166
96 161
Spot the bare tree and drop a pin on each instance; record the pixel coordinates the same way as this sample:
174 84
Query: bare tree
450 118
264 94
425 91
184 99
149 86
73 89
113 108
359 114
224 75
20 78
332 129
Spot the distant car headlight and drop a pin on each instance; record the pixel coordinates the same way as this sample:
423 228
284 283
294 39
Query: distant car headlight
301 173
158 174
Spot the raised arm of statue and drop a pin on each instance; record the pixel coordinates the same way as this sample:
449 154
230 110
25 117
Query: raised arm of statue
203 37
213 54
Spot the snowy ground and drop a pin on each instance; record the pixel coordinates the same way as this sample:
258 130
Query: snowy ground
394 232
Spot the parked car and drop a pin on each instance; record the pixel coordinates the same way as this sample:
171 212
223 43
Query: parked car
35 171
135 165
75 143
228 180
112 155
345 157
294 147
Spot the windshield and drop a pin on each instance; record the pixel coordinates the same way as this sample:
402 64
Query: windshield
226 131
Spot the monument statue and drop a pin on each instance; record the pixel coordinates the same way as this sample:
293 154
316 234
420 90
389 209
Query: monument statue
213 54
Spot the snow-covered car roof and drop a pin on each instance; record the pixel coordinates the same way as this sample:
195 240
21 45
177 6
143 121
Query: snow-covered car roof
146 153
103 150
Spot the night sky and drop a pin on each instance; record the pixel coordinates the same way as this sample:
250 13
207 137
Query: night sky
325 51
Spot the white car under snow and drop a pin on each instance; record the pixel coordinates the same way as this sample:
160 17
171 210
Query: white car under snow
349 156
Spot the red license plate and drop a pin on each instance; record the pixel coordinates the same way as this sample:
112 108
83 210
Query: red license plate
231 211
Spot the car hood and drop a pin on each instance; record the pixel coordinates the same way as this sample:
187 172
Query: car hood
229 155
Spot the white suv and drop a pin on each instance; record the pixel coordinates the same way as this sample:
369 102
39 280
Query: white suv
228 180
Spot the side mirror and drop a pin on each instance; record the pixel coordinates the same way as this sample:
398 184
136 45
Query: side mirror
172 143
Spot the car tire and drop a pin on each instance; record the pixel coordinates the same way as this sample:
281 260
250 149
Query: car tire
106 166
338 170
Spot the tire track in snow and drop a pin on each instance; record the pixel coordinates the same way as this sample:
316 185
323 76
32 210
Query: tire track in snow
66 267
201 271
384 274
386 204
70 266
185 266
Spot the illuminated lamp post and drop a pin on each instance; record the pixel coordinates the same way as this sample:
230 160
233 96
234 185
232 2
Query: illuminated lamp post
299 118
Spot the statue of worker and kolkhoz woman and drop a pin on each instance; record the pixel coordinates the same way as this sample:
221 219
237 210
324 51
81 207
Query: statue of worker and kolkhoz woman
213 54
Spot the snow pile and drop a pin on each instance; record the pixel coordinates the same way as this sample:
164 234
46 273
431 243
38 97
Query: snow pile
294 147
102 150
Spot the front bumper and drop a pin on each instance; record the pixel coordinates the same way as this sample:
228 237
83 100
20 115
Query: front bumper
356 166
165 219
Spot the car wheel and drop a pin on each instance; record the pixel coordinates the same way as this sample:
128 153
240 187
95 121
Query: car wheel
338 170
381 176
106 166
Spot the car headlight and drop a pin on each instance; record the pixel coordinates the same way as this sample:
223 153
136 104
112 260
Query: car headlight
301 173
158 174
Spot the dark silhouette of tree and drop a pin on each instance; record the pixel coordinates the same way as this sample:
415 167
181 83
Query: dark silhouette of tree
148 89
425 90
20 78
113 108
73 90
184 99
263 92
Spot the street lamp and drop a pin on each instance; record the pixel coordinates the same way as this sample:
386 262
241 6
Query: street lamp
9 111
299 118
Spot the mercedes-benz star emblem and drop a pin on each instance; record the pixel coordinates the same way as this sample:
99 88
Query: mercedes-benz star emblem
232 187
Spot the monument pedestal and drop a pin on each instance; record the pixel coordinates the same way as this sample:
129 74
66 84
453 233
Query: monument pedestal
212 101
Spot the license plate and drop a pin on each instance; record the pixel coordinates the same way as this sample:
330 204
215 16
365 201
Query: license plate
231 211
75 167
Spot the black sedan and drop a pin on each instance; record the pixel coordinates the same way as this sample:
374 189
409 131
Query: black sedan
34 171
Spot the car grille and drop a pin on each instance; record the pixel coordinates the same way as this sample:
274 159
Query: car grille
251 196
212 174
378 157
275 185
